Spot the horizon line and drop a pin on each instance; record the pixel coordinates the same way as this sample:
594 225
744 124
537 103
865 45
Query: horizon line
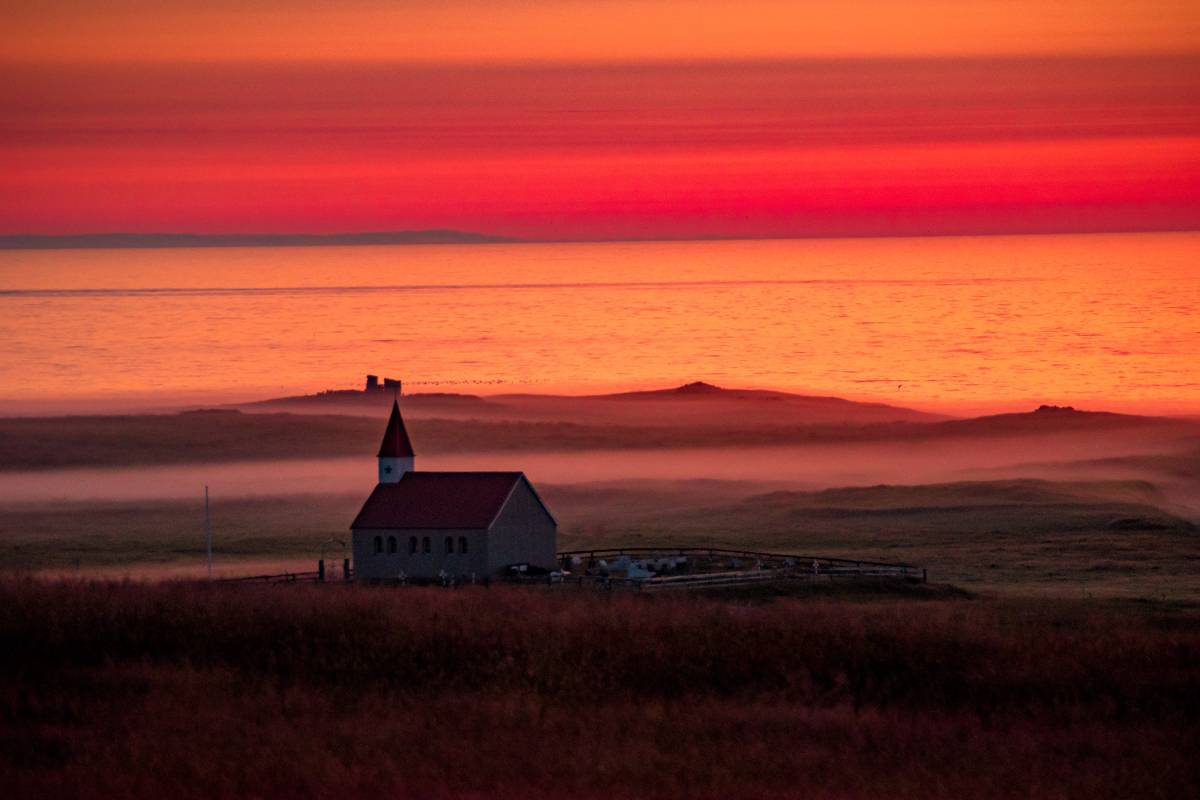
592 62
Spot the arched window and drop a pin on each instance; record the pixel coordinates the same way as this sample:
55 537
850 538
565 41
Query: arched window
391 544
412 545
449 544
426 547
378 545
462 545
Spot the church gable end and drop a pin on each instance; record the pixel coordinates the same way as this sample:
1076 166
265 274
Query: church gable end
524 532
523 505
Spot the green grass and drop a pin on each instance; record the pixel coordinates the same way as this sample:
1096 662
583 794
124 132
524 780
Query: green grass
1014 537
103 534
46 443
1021 537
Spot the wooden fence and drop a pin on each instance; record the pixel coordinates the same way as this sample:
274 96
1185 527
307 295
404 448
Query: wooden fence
320 575
282 577
744 567
762 562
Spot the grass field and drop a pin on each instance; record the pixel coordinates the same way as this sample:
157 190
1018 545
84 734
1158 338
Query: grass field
186 690
1078 539
1055 653
48 443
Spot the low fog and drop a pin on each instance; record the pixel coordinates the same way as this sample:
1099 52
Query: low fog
800 467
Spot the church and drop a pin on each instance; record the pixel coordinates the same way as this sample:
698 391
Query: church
437 525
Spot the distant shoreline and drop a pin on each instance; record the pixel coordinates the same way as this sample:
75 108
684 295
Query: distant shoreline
148 241
91 241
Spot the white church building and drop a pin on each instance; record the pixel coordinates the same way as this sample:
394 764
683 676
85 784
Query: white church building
431 525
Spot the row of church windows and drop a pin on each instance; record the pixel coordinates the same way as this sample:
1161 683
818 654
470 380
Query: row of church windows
425 543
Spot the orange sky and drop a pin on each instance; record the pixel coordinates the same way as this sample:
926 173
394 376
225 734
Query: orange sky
609 119
598 30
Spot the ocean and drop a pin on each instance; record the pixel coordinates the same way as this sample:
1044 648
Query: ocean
956 323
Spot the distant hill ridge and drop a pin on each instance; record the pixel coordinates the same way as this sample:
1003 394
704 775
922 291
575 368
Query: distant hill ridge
1049 419
702 390
705 406
348 423
691 403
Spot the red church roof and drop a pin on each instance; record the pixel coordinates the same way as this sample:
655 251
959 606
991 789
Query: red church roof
439 500
395 442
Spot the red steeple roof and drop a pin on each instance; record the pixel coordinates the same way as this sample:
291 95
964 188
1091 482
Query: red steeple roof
395 442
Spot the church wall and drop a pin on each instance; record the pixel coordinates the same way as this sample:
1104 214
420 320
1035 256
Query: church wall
385 566
523 533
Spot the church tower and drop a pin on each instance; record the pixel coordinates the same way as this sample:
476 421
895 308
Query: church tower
395 452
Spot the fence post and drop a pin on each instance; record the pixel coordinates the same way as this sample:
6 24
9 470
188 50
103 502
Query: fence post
924 575
321 571
346 569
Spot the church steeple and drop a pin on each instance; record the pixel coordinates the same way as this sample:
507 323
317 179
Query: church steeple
395 451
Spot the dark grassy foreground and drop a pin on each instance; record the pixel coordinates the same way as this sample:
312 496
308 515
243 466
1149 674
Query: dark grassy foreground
184 690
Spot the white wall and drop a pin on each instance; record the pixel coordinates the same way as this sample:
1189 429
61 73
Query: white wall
385 566
399 466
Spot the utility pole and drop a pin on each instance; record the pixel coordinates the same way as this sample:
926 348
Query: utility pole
208 532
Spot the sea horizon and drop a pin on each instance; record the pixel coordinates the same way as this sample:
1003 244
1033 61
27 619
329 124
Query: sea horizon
345 238
789 321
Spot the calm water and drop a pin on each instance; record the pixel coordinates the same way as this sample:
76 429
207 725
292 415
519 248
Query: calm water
966 323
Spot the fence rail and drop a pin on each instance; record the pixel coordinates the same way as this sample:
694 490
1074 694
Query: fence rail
712 579
821 565
767 567
282 577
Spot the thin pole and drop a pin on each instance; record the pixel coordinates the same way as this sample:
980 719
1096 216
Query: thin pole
208 532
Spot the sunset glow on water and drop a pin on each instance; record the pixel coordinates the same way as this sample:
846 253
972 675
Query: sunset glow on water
954 323
762 130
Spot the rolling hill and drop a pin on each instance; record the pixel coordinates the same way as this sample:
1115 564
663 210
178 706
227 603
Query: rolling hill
690 405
